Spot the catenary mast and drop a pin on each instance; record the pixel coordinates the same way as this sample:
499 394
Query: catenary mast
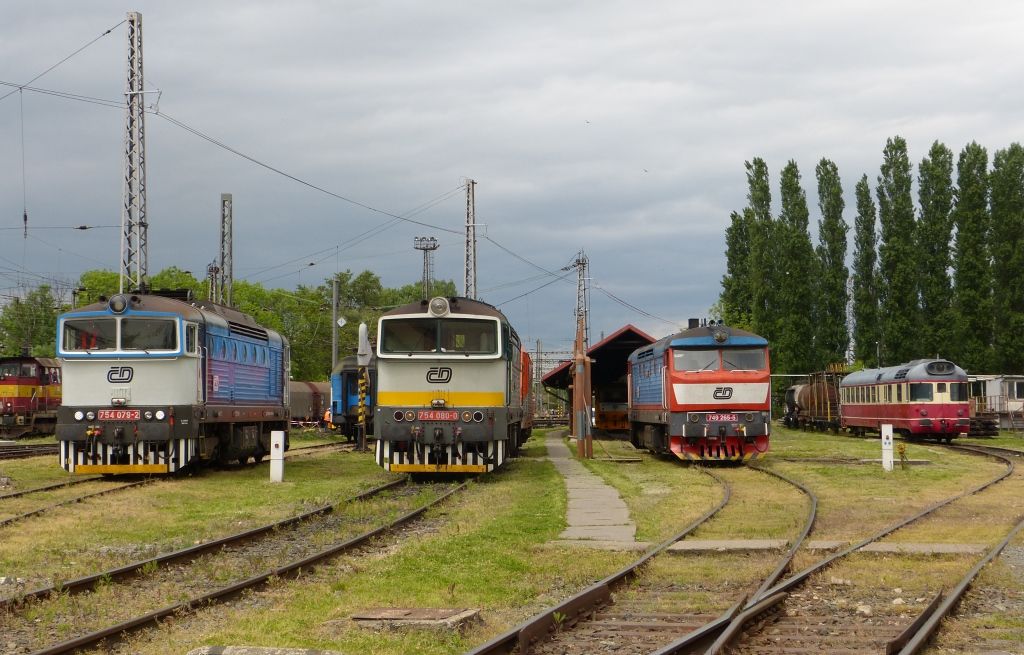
134 220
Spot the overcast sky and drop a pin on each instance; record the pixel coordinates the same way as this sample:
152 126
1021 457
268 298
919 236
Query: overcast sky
618 128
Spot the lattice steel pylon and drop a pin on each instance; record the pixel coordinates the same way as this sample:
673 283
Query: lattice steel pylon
227 270
134 220
470 276
581 264
428 245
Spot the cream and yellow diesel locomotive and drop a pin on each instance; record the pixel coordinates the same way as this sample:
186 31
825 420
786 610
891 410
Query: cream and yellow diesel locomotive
452 388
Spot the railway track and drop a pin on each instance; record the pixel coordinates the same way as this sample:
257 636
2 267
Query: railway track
70 501
21 451
780 620
624 613
248 559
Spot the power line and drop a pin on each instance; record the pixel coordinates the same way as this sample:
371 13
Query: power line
22 86
633 307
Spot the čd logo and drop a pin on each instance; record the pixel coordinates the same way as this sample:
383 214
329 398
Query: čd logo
120 374
722 393
439 375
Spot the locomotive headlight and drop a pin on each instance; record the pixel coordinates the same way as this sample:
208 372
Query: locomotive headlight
148 415
399 415
90 415
693 417
79 416
924 412
439 306
118 304
467 417
478 416
749 417
160 415
410 415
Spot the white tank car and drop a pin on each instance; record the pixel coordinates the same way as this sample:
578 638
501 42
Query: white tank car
450 388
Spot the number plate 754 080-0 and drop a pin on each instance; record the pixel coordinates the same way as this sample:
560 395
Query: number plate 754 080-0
723 418
437 415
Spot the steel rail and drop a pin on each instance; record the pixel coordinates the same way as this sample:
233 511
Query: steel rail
135 569
784 587
293 569
26 451
77 499
49 487
731 616
531 630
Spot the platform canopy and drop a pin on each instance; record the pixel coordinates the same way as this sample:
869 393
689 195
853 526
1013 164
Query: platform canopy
609 354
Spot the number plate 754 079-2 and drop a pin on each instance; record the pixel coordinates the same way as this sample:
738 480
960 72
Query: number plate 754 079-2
118 414
722 418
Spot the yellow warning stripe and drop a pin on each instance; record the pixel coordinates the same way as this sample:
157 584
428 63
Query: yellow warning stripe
451 398
438 468
121 468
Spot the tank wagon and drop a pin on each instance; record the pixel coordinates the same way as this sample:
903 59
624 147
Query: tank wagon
452 388
345 395
155 383
30 393
814 404
701 394
307 401
924 398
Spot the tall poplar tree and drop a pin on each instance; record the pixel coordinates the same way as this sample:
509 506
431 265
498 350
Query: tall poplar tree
763 276
1007 244
795 349
972 277
934 232
832 335
866 329
736 298
898 297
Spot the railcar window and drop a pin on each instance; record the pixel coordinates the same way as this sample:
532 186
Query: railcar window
924 391
148 334
940 387
695 360
958 392
409 335
743 359
190 338
899 393
473 337
89 334
9 370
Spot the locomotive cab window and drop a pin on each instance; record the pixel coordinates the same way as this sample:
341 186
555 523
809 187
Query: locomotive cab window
745 359
9 370
958 392
695 360
413 335
149 334
191 338
921 391
89 334
469 336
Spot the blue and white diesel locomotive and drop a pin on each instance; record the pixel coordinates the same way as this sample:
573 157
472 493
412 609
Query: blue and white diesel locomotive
156 383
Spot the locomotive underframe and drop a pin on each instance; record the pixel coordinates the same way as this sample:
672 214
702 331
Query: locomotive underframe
188 435
448 446
692 436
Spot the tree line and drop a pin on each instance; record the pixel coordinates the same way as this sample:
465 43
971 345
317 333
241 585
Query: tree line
302 315
943 277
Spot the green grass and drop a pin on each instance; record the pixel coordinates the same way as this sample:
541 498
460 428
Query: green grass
176 512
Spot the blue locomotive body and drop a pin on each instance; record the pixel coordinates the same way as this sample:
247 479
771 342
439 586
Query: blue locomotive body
154 384
345 395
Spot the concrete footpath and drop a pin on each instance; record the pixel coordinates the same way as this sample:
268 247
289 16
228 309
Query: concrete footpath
596 516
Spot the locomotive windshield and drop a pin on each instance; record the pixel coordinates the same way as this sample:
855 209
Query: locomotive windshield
464 336
136 333
729 359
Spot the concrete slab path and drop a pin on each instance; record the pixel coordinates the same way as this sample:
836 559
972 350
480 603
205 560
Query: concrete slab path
595 512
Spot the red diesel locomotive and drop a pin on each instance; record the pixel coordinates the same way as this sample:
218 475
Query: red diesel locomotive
30 393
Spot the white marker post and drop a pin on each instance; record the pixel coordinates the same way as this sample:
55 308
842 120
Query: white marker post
887 446
277 456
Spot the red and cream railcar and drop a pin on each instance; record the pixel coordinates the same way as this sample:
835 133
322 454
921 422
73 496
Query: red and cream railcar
925 398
